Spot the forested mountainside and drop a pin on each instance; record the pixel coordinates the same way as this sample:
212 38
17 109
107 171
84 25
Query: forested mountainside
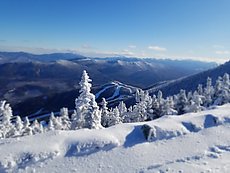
40 80
190 83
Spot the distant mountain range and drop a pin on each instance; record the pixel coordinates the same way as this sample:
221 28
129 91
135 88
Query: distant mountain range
35 82
190 83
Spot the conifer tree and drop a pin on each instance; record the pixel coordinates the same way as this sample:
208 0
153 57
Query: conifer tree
181 102
122 109
168 107
36 127
55 123
6 113
154 112
218 100
114 117
18 126
87 113
195 103
64 119
104 113
50 126
208 92
27 130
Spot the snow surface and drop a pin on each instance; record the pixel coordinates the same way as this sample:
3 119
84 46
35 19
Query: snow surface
193 142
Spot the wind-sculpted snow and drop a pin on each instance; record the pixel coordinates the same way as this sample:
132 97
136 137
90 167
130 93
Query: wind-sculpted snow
28 151
192 142
173 126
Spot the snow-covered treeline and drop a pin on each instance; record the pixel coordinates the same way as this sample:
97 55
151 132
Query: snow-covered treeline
87 113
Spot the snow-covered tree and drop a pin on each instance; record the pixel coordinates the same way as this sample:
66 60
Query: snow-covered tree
41 128
195 104
155 110
226 81
122 109
189 96
208 92
218 100
137 96
87 113
51 126
160 97
114 117
104 113
64 119
18 126
36 127
6 113
143 109
200 89
168 107
139 112
27 130
226 88
54 123
181 102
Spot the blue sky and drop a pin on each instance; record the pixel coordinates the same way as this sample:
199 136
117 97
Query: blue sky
197 29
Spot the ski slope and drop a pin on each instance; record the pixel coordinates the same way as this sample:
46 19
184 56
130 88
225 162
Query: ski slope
193 142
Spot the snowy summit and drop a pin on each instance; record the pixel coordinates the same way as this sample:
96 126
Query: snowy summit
193 142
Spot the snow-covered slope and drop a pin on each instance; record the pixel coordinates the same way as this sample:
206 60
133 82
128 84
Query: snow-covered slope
115 91
194 142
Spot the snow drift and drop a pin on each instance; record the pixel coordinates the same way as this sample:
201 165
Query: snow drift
84 150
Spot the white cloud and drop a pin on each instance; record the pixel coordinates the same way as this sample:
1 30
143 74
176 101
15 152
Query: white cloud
132 46
86 46
216 46
35 50
157 48
222 52
127 52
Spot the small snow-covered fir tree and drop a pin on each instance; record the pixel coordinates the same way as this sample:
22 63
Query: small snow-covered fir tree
51 122
226 88
168 107
189 96
18 126
104 113
27 130
156 108
139 112
114 117
36 127
122 109
160 97
50 126
181 102
222 90
143 109
87 113
54 123
137 96
128 116
218 92
200 89
6 113
226 81
195 103
64 119
208 92
41 128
